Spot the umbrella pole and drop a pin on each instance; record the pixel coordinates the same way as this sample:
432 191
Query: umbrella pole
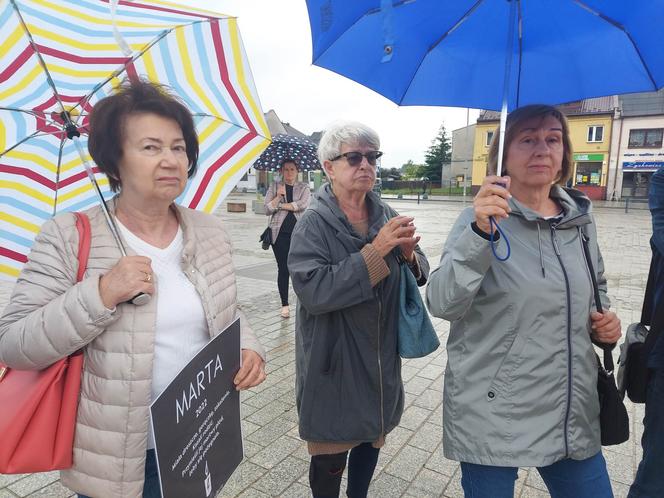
506 84
73 134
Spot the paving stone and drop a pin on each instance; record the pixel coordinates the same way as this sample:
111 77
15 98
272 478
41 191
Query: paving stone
268 413
387 485
5 493
7 479
271 432
281 476
414 417
253 493
417 385
243 477
275 452
396 439
528 492
428 484
429 399
454 489
33 483
55 490
408 463
428 437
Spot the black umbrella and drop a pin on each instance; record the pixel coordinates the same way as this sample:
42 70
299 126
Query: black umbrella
287 147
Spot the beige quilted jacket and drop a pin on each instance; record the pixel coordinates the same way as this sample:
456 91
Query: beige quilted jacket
51 316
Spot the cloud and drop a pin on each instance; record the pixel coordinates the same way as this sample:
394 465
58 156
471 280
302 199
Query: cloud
277 39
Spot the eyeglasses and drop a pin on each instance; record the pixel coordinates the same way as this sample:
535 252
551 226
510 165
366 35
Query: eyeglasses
355 158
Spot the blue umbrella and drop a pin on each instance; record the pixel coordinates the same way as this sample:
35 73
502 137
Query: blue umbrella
491 54
288 147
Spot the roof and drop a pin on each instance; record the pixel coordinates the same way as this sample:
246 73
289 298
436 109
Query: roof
598 105
642 104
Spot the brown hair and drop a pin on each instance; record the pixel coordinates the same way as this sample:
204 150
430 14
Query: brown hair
108 117
514 121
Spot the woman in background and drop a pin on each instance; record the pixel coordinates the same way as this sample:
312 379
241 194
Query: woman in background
285 201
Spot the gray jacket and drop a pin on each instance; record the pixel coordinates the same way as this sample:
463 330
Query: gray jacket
521 378
348 378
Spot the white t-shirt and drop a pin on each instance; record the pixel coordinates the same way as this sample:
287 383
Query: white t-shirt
181 328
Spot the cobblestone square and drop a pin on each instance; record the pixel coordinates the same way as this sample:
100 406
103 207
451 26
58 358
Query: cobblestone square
411 464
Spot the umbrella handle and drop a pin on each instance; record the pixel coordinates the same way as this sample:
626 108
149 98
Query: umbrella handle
140 299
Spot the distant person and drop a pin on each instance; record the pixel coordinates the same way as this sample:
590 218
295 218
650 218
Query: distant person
144 141
344 262
521 378
285 201
649 481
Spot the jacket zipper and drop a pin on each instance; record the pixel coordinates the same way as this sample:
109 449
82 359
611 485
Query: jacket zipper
380 369
569 338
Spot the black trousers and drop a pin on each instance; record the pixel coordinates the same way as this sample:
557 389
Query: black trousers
280 248
325 472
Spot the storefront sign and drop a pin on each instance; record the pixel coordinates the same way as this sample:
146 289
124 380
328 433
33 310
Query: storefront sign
196 421
643 165
589 157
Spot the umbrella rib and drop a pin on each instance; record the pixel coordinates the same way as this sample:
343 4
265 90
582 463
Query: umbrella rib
616 24
42 63
57 174
20 142
458 23
520 38
123 68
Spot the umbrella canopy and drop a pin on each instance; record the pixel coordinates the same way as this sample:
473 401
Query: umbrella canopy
66 55
283 147
429 52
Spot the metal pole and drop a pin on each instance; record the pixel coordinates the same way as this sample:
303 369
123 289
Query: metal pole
506 85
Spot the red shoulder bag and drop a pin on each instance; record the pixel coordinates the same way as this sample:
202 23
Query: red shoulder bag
39 407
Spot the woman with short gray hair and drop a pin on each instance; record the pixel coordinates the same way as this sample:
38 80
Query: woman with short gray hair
344 263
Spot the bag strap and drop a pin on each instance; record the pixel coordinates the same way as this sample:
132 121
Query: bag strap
606 348
84 237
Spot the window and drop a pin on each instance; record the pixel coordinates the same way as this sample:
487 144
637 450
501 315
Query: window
245 177
646 138
595 133
589 173
489 137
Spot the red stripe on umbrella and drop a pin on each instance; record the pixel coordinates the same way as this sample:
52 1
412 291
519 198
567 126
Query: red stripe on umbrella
162 9
22 58
81 60
218 164
8 253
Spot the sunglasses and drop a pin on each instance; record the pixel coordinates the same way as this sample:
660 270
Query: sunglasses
355 158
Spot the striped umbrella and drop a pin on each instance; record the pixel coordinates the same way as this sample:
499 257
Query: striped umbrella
58 58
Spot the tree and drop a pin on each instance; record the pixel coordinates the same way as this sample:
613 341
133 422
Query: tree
439 153
411 171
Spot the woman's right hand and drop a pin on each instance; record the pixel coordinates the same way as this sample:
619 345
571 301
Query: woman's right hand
281 190
398 230
130 276
491 200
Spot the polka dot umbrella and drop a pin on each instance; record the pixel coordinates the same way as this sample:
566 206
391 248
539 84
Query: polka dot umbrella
287 147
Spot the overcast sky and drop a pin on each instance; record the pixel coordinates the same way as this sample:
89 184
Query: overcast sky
277 39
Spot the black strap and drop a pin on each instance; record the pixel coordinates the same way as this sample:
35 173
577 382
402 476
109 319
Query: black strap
652 313
606 348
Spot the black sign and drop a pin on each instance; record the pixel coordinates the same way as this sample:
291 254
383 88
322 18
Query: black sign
196 421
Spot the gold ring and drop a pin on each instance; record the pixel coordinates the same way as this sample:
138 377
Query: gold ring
148 277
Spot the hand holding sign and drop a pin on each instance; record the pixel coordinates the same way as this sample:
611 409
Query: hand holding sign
252 371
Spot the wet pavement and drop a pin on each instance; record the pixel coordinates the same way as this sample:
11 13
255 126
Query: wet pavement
411 464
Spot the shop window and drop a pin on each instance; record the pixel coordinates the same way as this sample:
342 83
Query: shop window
489 137
646 138
595 133
589 173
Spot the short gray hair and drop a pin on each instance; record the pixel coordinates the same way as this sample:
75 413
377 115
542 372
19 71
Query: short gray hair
345 132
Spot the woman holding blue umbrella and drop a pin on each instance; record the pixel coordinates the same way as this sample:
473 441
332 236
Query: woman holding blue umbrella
521 379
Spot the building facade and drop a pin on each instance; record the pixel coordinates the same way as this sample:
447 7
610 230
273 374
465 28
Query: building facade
590 124
639 150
